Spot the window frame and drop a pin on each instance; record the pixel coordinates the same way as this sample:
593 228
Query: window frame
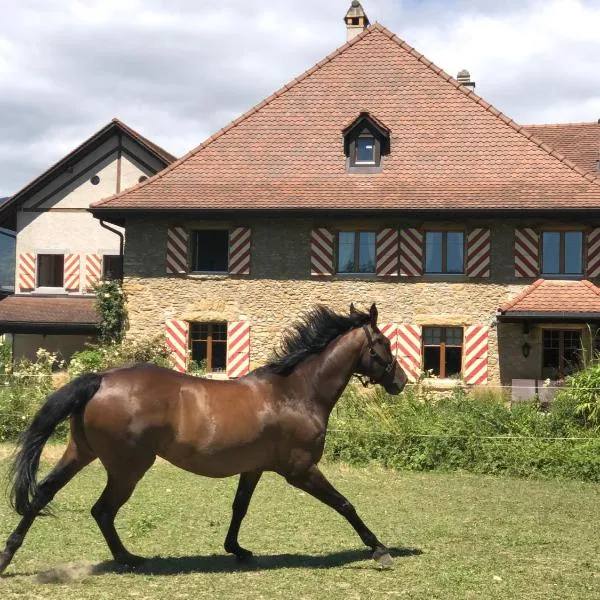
356 264
442 346
209 342
353 149
445 233
562 256
104 257
194 250
560 372
38 271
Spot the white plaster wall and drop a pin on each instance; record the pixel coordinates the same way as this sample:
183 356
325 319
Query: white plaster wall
26 345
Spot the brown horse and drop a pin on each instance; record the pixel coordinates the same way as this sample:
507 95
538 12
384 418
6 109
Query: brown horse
274 419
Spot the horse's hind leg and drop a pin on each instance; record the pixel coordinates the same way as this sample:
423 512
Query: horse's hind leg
123 475
72 461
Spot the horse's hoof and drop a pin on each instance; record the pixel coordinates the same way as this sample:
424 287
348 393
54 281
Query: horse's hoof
243 555
4 562
383 559
130 560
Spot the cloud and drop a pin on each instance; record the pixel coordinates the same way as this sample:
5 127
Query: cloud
178 70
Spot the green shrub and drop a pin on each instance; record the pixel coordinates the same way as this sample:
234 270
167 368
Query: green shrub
479 434
581 394
110 305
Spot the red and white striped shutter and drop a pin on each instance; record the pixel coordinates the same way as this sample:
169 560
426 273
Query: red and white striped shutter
93 270
411 252
479 248
390 330
177 250
238 348
240 241
409 350
27 262
321 252
475 362
176 333
593 253
71 272
387 253
527 252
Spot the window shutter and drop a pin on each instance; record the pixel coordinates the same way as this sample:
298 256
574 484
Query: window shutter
475 362
593 253
387 253
238 348
321 252
177 334
478 252
527 253
390 330
93 270
411 252
177 250
27 263
71 272
409 350
240 241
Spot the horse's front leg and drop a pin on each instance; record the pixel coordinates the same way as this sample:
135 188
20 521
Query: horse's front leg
315 483
246 487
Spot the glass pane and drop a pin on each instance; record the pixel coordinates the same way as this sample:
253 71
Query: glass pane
573 252
454 336
433 252
455 250
551 252
365 149
572 340
219 331
199 351
219 356
211 250
50 270
366 252
431 359
432 336
346 252
572 360
453 361
551 338
112 267
550 358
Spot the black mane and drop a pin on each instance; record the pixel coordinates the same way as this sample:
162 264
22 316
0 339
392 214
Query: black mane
311 334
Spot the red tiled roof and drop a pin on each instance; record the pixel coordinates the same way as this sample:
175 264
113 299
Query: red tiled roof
74 312
556 296
450 149
579 142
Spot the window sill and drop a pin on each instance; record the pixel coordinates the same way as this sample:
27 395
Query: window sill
208 275
446 277
443 384
356 275
562 276
50 290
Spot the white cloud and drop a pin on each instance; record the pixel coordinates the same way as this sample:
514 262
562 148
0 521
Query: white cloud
178 70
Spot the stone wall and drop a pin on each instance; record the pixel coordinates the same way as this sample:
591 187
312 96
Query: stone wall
280 286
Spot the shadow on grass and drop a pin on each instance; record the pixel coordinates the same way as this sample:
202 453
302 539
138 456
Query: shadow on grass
223 563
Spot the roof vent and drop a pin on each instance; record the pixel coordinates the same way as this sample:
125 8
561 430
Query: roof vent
356 20
464 78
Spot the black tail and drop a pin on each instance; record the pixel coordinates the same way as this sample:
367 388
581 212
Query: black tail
58 406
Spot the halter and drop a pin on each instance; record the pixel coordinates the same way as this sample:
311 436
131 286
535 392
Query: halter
389 367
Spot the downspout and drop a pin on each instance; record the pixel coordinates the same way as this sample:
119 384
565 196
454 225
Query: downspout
119 233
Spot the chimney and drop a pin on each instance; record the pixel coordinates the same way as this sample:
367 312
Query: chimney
464 78
356 20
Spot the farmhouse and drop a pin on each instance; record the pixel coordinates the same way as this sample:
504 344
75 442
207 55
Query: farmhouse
62 251
374 176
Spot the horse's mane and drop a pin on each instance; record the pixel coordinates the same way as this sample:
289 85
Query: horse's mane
310 334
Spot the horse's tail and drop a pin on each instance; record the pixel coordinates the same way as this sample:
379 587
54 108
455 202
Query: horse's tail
58 406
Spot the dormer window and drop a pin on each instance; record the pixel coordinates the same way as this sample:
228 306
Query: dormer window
366 140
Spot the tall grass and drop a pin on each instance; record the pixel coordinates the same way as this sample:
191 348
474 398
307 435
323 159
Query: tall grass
480 433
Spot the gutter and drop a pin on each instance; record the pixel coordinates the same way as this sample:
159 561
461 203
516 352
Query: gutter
119 233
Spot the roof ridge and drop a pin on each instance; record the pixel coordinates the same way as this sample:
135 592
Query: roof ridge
528 290
149 144
570 124
244 116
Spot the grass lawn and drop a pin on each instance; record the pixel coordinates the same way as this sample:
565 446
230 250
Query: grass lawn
454 536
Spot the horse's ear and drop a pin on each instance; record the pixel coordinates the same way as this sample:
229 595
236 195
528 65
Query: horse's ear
373 314
353 310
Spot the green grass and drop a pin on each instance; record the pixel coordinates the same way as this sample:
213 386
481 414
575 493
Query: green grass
456 536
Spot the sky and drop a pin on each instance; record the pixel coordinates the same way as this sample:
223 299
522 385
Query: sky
179 70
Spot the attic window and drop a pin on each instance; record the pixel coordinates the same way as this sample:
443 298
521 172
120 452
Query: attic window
366 140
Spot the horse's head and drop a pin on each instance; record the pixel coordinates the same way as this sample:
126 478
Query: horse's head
377 361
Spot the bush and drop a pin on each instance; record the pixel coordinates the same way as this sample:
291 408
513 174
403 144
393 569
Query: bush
581 394
479 434
110 305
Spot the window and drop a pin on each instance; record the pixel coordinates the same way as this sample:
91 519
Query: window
356 252
210 248
561 352
112 267
562 252
366 140
444 252
208 342
442 350
365 150
50 270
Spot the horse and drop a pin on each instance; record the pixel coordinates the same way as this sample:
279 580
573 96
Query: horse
273 419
